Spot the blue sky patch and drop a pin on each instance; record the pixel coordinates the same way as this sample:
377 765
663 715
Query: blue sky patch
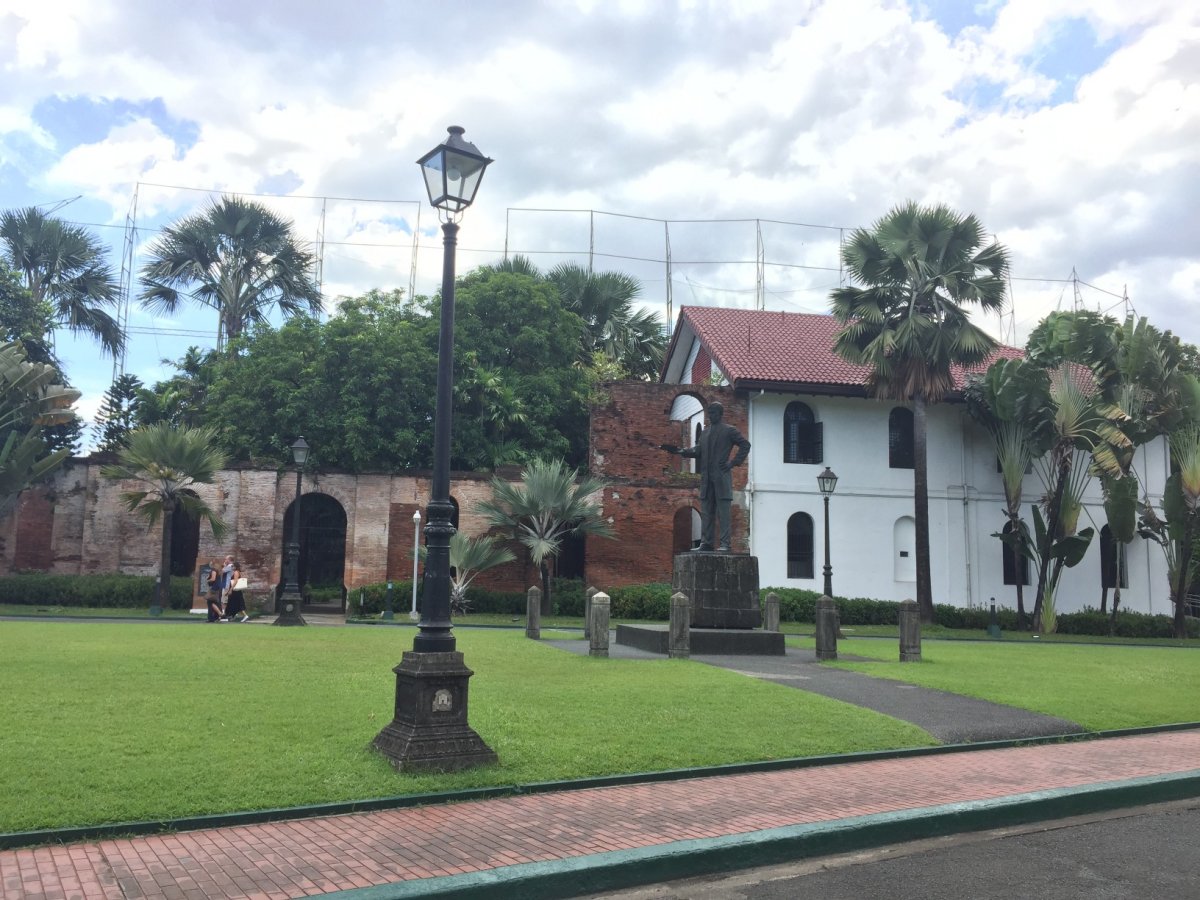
86 120
1071 51
955 15
281 183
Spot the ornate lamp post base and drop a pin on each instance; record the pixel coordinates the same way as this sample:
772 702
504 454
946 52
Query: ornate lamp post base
430 731
289 609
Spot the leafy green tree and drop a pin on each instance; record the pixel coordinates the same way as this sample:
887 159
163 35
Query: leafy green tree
917 269
550 503
236 257
514 331
359 387
119 412
24 319
30 399
63 265
182 399
165 462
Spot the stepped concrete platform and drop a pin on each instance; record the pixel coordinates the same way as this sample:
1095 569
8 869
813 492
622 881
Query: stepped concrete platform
705 641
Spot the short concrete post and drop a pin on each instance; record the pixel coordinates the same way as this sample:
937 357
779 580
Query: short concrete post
533 613
680 646
827 625
587 610
993 629
771 612
910 632
598 645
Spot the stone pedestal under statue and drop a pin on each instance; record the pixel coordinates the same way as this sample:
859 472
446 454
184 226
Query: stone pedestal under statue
430 730
726 616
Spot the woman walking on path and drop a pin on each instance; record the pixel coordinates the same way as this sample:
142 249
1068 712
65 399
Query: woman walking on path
214 591
235 606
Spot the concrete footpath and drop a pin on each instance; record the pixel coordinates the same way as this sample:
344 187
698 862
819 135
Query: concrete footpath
570 842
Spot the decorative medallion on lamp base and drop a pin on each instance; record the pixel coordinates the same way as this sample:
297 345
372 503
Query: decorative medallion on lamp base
430 731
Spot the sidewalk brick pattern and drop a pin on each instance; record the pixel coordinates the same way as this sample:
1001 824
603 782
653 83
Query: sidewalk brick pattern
314 856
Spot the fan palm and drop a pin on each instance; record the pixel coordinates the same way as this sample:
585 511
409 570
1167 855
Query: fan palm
918 268
236 257
166 462
550 503
612 324
30 399
470 557
64 265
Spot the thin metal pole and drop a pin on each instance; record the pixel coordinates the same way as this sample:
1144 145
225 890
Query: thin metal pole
828 568
416 553
435 634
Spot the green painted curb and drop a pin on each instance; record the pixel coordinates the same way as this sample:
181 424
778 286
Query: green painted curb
687 859
15 839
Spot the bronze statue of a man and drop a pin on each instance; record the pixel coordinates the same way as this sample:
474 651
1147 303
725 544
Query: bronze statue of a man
716 483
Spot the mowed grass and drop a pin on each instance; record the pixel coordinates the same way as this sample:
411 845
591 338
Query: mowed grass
1099 687
114 722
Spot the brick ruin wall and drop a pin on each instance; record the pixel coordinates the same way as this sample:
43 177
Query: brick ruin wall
75 523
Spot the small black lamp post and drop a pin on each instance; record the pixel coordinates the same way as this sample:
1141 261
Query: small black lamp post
430 729
290 601
827 481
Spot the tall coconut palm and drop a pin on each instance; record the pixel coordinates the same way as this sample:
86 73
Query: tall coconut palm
917 268
164 462
30 399
236 257
64 265
550 503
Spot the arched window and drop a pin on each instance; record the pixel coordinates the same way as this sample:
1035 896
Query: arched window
904 549
1016 564
803 438
800 546
1110 552
900 438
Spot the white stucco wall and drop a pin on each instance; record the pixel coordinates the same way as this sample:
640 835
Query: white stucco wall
966 506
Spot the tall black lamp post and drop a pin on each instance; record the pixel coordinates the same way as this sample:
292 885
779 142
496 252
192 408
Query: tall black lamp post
430 729
827 481
290 601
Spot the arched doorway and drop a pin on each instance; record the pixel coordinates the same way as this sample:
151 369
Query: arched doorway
185 540
322 548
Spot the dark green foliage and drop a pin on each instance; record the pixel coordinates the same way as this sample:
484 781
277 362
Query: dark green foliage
1128 624
479 600
119 412
116 591
569 594
641 601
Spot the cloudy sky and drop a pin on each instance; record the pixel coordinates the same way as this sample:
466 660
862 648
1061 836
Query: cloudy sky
711 134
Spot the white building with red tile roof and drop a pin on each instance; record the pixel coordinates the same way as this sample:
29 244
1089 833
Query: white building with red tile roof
807 409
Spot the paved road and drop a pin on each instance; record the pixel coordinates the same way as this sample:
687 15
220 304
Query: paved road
1148 852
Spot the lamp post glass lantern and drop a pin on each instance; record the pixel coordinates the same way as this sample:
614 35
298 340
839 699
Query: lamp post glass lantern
827 481
290 600
430 730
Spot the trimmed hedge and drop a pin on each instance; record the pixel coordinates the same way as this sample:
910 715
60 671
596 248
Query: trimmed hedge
119 591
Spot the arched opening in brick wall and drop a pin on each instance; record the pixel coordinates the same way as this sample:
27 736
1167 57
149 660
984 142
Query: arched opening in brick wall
185 541
685 529
688 410
322 540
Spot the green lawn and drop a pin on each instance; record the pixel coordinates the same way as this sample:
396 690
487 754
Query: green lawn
1100 687
48 610
119 721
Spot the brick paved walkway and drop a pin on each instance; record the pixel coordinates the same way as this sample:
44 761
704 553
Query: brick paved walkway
314 856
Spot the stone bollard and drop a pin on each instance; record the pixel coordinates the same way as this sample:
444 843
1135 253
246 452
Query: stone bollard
533 613
771 612
910 632
587 610
680 646
598 644
827 623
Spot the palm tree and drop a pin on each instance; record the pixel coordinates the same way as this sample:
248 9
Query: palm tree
166 461
549 504
918 267
30 399
237 257
612 324
470 557
63 265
